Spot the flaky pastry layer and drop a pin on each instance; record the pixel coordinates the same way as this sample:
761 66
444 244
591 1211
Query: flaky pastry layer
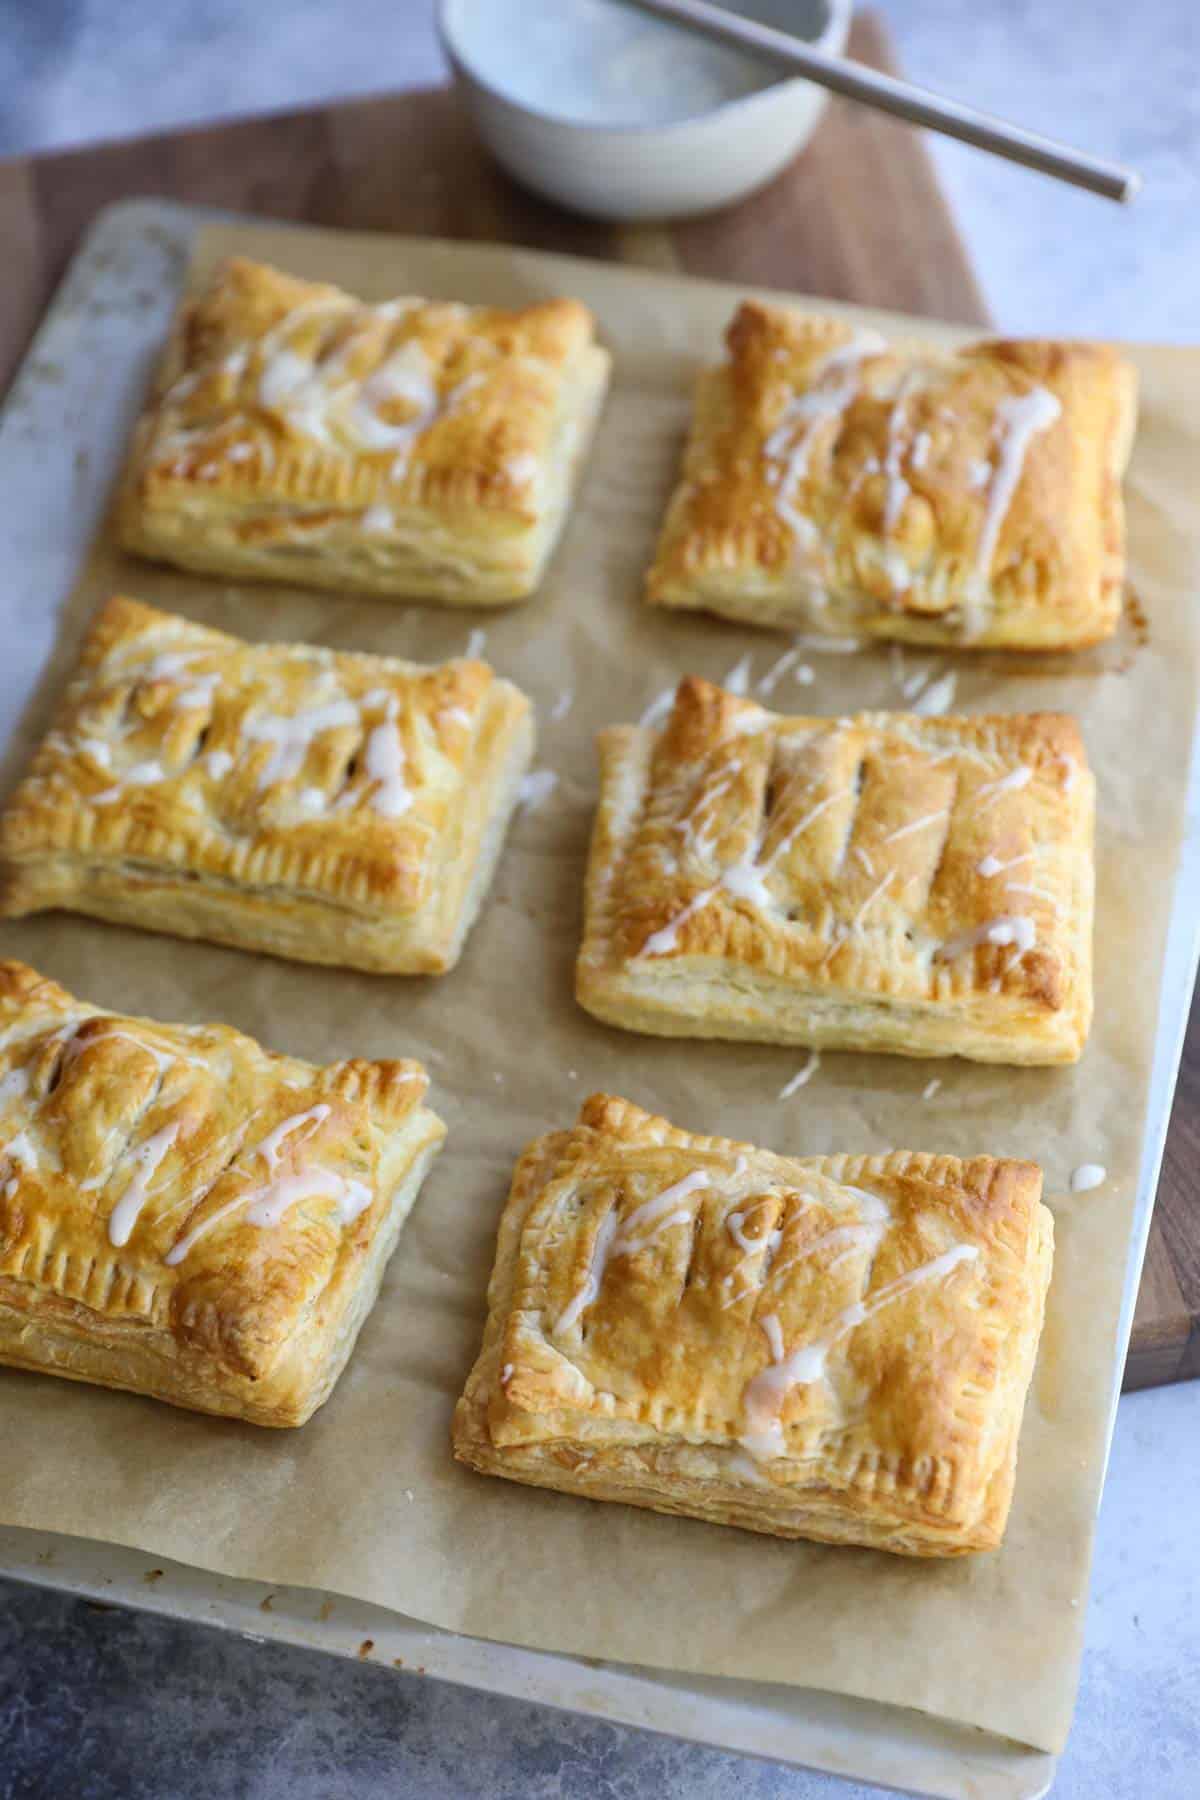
830 1347
323 806
188 1216
887 882
834 481
415 448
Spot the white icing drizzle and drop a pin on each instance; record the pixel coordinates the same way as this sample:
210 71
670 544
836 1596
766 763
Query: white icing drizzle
871 898
873 1207
654 1215
97 749
735 1225
14 1085
476 644
522 468
615 1239
802 1076
912 684
804 674
919 454
767 1392
163 1059
169 665
848 1239
22 1151
562 705
146 1160
536 788
1038 893
904 831
1011 783
898 489
1008 928
864 858
313 397
745 880
1088 1176
143 774
285 1185
658 709
291 735
938 697
990 865
931 1088
831 646
269 1147
219 764
378 518
737 680
767 683
583 1298
1020 418
667 936
785 843
833 385
269 1205
383 759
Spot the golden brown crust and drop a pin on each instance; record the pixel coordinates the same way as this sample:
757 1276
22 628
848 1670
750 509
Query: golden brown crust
332 807
834 481
413 448
829 1347
188 1216
884 882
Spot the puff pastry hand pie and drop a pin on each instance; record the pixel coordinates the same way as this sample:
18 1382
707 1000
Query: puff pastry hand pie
885 882
837 482
330 807
417 448
187 1216
834 1347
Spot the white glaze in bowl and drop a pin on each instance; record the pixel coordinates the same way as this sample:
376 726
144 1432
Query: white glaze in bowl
664 168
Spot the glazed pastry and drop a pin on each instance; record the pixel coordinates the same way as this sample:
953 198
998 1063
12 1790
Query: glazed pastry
885 882
417 448
840 483
324 806
832 1347
184 1214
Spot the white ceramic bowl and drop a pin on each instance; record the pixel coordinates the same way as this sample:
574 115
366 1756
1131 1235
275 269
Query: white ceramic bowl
634 172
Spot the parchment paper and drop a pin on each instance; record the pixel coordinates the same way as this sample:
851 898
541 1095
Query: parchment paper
366 1500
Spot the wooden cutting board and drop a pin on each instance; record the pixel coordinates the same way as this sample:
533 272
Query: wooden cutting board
858 217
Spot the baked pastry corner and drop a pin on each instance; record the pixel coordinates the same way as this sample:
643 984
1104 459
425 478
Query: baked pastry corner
832 1347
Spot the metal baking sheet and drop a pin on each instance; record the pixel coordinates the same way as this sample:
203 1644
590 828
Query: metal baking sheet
62 435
